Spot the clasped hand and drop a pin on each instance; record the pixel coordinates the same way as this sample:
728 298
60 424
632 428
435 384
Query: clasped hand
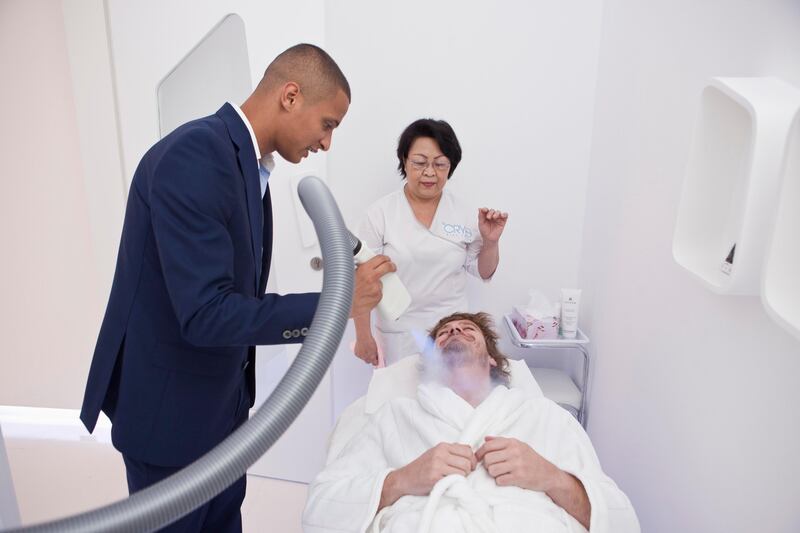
512 462
509 461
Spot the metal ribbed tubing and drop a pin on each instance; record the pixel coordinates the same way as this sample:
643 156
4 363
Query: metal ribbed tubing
181 493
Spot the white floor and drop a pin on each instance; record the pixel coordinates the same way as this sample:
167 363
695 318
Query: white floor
54 478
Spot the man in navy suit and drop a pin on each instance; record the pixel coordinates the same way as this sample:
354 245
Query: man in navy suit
174 363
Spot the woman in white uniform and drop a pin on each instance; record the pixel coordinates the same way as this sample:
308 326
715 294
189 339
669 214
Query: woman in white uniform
432 238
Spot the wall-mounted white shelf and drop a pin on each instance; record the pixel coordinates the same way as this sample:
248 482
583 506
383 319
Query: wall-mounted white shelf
781 283
732 181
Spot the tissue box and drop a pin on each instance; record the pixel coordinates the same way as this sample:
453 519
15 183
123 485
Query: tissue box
530 327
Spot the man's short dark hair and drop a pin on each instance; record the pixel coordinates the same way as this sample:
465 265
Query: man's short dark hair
438 130
485 323
310 67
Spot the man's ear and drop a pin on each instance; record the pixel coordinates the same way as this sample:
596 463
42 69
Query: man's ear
290 96
492 362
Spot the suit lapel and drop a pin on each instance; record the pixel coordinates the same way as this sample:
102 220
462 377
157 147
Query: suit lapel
249 167
253 191
266 242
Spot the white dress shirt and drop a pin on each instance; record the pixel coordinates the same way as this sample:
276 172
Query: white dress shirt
266 162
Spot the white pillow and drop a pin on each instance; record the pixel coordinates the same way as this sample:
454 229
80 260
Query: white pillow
401 380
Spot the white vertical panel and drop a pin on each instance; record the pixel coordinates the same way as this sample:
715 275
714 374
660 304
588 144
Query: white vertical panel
216 70
9 512
693 404
95 110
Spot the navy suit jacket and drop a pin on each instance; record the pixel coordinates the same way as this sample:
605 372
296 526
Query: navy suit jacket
187 304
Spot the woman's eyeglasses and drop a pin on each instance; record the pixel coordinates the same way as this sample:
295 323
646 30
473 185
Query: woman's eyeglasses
439 165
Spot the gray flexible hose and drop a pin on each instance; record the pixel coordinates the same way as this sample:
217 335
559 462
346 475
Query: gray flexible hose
181 493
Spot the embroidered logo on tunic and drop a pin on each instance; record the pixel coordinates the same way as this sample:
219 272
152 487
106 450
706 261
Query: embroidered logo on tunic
457 230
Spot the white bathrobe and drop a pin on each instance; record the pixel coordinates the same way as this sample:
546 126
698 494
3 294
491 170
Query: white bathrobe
345 495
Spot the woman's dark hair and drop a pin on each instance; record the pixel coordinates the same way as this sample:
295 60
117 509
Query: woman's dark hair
438 130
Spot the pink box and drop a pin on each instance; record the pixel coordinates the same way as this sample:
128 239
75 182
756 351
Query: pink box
530 328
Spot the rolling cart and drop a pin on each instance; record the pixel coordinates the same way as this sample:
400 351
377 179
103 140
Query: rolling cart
556 384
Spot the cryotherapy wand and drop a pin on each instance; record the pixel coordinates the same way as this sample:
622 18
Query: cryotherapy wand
395 299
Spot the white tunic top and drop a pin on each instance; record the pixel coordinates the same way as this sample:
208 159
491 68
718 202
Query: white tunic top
431 262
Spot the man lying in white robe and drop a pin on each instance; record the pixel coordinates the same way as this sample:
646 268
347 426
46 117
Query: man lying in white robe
467 455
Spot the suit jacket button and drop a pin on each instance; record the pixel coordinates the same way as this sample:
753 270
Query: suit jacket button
304 332
295 333
287 334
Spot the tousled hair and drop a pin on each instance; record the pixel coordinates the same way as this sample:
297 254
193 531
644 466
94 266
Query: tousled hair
485 323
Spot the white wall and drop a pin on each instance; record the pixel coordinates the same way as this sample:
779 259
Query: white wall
516 81
694 394
52 295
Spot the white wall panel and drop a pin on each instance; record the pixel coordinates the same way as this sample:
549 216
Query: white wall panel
693 393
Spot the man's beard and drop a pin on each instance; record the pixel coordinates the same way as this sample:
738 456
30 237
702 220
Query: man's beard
456 354
437 364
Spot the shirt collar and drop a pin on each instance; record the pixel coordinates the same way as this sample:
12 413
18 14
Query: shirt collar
267 161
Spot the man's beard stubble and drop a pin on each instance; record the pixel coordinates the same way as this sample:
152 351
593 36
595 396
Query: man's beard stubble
456 354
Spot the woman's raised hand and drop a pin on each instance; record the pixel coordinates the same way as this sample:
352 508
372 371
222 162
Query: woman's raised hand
491 223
